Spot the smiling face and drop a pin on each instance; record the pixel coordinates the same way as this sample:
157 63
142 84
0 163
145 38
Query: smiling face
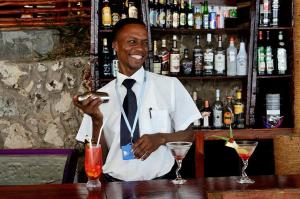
131 45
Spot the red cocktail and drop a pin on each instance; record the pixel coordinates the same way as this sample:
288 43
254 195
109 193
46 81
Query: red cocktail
93 165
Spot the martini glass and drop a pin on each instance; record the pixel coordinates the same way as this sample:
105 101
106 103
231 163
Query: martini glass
245 150
179 150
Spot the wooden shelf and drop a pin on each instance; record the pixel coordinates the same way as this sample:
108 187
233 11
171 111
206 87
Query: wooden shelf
195 31
247 133
276 28
274 76
105 31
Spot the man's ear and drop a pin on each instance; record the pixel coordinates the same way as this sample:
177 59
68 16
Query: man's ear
115 46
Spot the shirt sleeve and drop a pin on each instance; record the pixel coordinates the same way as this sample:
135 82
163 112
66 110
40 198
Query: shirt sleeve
185 110
85 128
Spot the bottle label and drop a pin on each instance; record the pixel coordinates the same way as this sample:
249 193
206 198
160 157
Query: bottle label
232 56
198 60
162 19
169 19
206 21
219 63
206 119
175 63
238 108
281 58
133 12
190 19
106 16
228 118
175 20
115 67
182 19
198 22
152 17
218 118
187 68
208 60
261 60
157 68
115 18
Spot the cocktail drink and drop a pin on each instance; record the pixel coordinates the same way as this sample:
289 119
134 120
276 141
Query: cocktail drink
245 149
93 165
179 150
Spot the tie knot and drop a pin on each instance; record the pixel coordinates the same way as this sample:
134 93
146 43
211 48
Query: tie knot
128 83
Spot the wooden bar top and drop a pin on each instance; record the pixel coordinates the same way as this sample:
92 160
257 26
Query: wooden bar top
282 186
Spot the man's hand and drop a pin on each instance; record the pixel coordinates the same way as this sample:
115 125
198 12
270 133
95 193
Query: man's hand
148 143
90 106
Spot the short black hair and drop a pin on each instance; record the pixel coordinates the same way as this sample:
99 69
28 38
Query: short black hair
123 22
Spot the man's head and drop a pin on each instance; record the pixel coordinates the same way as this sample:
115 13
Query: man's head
130 41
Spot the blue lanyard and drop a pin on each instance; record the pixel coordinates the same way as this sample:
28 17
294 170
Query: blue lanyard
131 130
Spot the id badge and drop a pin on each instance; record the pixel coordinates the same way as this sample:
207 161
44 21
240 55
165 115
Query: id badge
127 153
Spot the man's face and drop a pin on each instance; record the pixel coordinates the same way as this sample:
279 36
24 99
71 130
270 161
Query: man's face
131 45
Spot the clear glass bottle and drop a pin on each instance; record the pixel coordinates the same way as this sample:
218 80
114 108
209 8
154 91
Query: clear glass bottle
238 110
206 112
208 57
241 60
174 58
219 68
231 58
198 58
281 55
156 59
165 58
132 9
217 110
186 63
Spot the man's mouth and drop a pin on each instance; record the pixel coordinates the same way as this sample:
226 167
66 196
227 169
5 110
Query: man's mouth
138 57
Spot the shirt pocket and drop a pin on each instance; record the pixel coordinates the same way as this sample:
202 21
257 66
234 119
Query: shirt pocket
160 121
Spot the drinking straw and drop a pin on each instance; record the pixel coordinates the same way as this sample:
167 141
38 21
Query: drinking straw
99 136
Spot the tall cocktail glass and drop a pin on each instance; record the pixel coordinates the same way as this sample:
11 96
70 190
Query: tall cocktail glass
93 165
245 149
179 150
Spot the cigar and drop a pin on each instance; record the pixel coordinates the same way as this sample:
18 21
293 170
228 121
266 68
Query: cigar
102 95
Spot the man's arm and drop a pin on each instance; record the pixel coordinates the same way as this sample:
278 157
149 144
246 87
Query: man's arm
148 143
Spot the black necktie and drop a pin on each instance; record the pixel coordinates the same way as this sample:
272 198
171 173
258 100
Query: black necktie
130 108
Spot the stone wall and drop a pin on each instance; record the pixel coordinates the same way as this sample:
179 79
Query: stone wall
37 84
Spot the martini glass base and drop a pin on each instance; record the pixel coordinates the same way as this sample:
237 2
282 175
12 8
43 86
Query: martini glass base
245 180
178 181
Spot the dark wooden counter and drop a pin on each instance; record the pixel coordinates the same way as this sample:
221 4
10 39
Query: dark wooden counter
196 188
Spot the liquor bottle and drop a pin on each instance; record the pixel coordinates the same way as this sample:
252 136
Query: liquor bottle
198 58
115 15
208 57
217 110
196 123
169 15
241 60
197 18
114 64
106 15
206 112
165 58
151 12
124 14
186 63
266 13
190 15
182 15
155 14
220 59
261 63
212 18
132 9
106 59
231 58
174 58
162 15
275 12
205 15
175 15
156 59
238 110
228 116
281 55
269 55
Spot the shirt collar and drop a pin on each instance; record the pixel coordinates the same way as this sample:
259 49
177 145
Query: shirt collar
138 76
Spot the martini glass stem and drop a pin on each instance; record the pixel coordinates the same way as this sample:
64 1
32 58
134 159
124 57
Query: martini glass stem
179 163
245 165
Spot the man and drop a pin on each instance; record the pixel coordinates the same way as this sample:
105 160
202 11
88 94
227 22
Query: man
162 106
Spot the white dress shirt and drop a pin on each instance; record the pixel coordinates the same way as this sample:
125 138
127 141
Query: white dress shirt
172 109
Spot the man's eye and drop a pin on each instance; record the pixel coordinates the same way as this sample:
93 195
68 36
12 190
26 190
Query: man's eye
131 41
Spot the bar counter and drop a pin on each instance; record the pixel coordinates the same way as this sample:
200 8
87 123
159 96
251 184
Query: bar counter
268 187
